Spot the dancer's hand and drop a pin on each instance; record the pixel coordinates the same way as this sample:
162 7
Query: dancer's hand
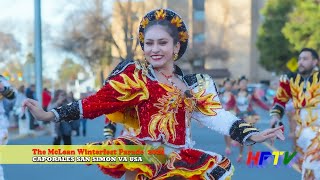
274 120
270 133
36 110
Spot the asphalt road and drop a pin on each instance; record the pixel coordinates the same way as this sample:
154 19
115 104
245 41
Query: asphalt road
205 139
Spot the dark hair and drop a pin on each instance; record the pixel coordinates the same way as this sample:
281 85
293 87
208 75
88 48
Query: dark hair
170 28
21 89
242 78
312 51
57 94
227 80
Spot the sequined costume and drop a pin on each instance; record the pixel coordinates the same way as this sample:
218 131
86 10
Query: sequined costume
109 129
305 95
157 113
228 101
244 106
7 93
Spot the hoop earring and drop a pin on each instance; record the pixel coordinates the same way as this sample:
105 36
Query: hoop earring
175 56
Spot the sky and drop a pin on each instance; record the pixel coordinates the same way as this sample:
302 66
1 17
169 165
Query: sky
21 14
16 17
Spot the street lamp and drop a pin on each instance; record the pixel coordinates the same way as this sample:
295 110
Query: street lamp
38 49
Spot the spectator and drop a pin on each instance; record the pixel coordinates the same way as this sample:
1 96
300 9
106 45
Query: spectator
6 92
19 115
75 125
30 93
46 98
62 130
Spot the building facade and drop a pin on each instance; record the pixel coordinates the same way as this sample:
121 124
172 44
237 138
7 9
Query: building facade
222 35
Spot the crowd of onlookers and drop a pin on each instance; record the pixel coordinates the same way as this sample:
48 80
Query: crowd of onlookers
24 122
241 98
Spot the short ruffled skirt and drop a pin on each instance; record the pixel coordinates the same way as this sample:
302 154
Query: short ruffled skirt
185 163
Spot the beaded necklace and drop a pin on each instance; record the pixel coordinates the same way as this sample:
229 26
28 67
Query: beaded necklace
168 77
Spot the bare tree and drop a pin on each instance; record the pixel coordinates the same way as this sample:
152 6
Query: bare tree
127 17
88 34
13 71
69 71
217 48
8 46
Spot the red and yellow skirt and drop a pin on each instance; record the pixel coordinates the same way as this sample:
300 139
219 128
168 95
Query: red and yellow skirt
184 163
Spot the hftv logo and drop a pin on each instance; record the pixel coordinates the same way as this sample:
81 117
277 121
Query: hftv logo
259 157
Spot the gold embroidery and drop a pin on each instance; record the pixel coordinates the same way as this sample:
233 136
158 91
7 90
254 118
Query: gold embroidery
244 124
315 146
206 103
144 22
155 160
183 36
190 104
160 14
224 163
133 139
128 117
141 37
171 159
313 97
130 89
275 111
249 129
297 91
177 21
165 120
282 95
310 118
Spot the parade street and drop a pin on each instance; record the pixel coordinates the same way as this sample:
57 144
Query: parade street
205 139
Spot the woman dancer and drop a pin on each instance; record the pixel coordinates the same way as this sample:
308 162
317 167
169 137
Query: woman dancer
158 101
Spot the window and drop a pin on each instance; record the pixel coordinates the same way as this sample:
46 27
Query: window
198 4
198 15
198 63
198 38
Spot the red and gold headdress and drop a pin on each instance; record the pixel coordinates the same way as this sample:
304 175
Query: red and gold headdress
173 18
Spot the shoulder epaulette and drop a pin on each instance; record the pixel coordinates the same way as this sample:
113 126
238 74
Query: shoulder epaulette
200 80
191 80
284 78
119 68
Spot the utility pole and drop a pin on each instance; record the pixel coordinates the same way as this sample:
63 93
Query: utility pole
38 49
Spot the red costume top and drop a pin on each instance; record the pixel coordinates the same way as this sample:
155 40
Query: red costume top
228 101
159 114
244 104
305 94
156 111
